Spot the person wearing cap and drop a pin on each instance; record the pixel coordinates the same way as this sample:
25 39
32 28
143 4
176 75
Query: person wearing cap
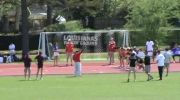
69 51
111 50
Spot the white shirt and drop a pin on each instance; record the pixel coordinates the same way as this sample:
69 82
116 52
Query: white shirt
160 59
134 52
12 47
149 45
141 54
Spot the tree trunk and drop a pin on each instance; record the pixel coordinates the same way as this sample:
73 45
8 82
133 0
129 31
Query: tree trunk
17 19
24 27
49 13
5 23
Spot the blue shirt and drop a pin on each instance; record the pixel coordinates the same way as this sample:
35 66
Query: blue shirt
176 51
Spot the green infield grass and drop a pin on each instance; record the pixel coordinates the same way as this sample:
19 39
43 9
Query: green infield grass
90 87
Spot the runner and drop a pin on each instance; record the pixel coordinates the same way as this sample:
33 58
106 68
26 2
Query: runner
27 64
40 61
132 64
78 66
147 69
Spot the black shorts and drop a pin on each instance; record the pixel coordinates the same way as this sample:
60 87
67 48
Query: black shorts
140 60
154 53
27 66
40 65
176 55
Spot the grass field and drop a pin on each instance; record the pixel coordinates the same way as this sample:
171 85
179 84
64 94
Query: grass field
90 87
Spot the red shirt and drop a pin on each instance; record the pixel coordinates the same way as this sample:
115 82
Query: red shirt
112 46
76 56
69 47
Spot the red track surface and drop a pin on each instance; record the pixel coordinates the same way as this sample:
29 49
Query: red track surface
49 69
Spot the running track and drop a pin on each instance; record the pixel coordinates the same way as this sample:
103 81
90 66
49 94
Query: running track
12 69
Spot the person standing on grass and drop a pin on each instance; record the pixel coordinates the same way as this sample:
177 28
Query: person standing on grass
40 60
149 47
147 69
122 57
140 56
56 54
167 60
27 64
132 64
69 51
111 50
160 61
76 58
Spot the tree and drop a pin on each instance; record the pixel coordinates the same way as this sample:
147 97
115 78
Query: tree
151 16
7 7
24 26
51 5
82 8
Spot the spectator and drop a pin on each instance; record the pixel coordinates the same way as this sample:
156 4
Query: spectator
149 47
167 60
176 52
111 50
160 61
69 51
12 48
56 54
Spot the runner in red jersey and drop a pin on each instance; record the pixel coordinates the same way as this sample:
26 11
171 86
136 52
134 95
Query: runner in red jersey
69 51
111 50
77 61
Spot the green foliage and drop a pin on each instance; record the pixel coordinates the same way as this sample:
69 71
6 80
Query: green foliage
115 7
173 36
152 15
8 5
68 26
81 8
